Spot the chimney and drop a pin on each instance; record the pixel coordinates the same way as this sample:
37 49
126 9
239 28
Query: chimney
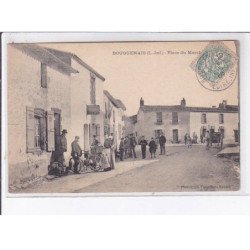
224 103
183 102
141 102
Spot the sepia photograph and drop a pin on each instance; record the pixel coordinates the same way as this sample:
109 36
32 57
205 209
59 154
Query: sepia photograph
123 117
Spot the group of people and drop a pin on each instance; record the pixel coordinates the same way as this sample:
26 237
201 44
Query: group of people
128 144
127 147
77 152
189 141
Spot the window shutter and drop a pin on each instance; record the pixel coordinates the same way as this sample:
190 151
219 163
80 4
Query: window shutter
98 134
43 132
30 129
50 131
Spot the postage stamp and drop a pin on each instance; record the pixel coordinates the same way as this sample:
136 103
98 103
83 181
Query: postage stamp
216 67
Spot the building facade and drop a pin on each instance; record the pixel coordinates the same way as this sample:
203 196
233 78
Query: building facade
177 120
48 90
114 117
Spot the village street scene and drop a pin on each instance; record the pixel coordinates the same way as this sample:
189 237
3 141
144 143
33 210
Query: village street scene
80 122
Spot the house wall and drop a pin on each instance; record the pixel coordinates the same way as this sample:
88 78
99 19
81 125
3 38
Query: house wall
24 89
80 98
146 125
230 124
118 113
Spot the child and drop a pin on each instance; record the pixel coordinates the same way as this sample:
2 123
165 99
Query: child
152 147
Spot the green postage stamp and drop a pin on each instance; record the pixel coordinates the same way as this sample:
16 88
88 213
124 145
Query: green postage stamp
216 67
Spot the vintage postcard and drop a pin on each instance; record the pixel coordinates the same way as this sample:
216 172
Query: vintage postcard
123 117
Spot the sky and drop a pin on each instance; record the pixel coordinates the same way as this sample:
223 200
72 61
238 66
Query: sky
162 78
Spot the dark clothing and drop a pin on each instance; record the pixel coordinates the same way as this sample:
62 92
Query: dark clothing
76 149
62 144
126 147
143 144
121 149
108 143
95 142
162 140
132 147
132 141
62 147
152 146
163 149
185 139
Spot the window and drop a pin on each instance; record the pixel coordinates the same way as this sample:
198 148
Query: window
203 118
159 117
221 118
37 132
174 117
44 76
92 89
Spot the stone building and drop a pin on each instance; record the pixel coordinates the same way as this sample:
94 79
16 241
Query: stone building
177 120
114 121
48 90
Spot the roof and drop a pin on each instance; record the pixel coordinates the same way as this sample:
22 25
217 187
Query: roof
45 56
66 56
56 59
159 108
133 118
116 102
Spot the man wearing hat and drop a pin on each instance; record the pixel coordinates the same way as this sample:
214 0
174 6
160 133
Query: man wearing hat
62 147
76 152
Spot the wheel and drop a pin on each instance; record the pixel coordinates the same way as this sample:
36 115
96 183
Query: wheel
96 166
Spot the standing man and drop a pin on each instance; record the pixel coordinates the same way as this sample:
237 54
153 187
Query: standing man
132 146
152 147
185 138
126 147
62 147
208 138
76 153
162 141
121 148
143 144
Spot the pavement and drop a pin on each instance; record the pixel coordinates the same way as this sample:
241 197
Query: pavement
181 169
229 151
71 183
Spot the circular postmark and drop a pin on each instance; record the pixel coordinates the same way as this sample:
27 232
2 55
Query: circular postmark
216 68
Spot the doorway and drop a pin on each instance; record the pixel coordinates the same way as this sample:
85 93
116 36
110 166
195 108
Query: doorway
175 136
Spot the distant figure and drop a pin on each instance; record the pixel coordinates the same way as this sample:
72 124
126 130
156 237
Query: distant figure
95 141
76 153
195 138
162 142
132 141
201 138
185 138
152 147
143 144
121 148
189 141
126 147
109 149
208 139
